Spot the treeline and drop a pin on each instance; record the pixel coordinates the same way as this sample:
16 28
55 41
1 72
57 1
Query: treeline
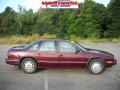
90 20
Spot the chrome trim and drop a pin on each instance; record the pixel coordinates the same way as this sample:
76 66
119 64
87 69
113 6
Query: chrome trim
48 61
61 61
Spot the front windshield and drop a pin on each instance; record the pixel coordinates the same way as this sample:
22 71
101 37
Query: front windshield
80 46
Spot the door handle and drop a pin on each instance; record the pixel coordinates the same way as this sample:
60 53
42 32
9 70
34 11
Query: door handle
38 54
61 55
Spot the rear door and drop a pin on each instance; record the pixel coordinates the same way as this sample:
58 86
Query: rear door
47 54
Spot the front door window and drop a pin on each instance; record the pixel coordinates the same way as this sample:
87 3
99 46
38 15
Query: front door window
66 47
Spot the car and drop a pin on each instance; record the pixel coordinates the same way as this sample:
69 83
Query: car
59 53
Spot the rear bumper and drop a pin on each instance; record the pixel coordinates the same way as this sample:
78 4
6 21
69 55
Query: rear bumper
12 62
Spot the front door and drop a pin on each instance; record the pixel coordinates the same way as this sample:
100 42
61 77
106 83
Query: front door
68 56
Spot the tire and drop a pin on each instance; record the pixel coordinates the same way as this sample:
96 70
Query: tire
29 66
96 66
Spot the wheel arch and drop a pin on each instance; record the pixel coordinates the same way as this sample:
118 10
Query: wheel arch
27 57
93 59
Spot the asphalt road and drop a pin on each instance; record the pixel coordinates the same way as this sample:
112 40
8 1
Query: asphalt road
11 78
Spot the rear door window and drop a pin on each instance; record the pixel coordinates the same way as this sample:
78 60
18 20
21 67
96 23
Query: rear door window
47 46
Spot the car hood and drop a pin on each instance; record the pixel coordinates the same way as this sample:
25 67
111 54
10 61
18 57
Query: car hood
98 51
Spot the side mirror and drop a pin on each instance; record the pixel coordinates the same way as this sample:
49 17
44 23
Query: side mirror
77 51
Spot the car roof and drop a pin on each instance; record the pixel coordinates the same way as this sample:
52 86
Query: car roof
52 39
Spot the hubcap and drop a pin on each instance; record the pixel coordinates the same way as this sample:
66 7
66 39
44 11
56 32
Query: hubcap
28 66
96 67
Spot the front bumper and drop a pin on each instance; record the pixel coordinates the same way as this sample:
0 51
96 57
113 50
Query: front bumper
114 62
111 63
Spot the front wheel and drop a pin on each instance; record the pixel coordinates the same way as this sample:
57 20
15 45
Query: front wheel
96 66
29 66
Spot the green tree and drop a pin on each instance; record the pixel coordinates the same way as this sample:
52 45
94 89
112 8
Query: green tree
7 20
99 16
18 19
44 22
88 25
113 19
28 21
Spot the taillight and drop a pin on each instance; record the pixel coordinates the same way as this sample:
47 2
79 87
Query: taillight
11 54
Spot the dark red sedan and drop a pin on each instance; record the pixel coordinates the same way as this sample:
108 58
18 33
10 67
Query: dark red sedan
59 53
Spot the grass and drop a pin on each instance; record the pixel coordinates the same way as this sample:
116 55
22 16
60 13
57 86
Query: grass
28 39
95 40
23 39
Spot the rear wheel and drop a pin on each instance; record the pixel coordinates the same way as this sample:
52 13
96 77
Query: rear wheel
29 65
96 66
